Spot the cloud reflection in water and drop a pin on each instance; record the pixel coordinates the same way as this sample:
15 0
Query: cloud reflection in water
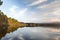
33 33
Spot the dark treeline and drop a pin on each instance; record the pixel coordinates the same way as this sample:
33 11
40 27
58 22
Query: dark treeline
52 24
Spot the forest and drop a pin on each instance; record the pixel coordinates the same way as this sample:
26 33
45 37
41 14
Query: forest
8 24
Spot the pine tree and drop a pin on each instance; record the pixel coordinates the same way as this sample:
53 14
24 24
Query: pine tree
1 2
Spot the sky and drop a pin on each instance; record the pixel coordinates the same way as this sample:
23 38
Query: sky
35 11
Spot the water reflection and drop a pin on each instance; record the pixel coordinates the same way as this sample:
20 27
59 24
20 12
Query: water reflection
33 33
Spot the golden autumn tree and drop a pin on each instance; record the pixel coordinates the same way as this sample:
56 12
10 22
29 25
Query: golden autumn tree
3 24
14 24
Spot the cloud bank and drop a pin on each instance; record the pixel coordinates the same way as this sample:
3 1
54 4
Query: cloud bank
34 10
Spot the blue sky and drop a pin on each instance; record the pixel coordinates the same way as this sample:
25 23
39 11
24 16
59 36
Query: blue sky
32 10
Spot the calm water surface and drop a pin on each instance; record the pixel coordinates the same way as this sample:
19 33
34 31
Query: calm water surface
33 33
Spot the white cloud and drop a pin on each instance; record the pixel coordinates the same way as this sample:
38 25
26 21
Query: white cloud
50 5
56 12
47 12
13 8
51 11
52 8
53 30
22 12
34 33
36 2
55 20
12 11
17 14
20 16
